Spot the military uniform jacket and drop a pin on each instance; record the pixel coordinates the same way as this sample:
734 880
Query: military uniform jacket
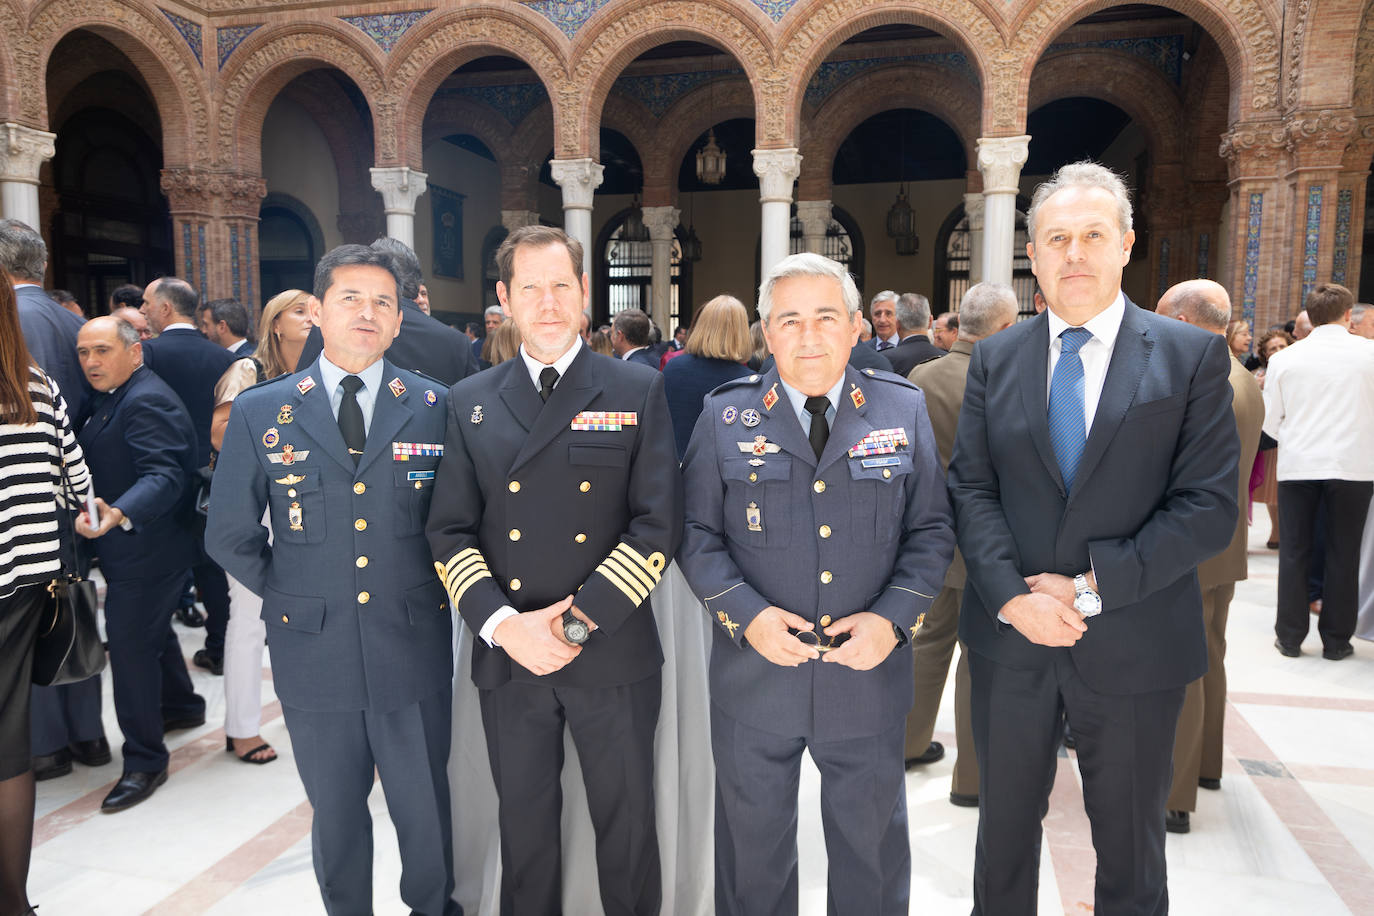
536 501
356 618
868 527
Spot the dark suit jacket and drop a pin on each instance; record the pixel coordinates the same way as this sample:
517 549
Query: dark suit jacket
910 353
191 366
425 345
1155 494
528 510
50 334
687 379
644 357
862 356
140 447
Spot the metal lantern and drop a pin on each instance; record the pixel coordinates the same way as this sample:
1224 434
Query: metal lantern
633 229
711 161
691 245
901 224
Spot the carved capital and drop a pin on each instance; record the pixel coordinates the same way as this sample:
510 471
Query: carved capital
579 179
1319 139
1253 150
1000 160
25 149
661 221
400 186
777 170
193 190
814 216
515 219
973 208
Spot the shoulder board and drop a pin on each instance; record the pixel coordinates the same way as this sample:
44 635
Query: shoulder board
420 375
892 378
264 383
744 381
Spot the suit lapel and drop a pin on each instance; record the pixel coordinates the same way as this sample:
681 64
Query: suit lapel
780 425
100 418
1130 357
316 418
575 390
518 392
389 414
1034 369
851 423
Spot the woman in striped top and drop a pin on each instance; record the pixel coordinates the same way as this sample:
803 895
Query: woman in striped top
35 439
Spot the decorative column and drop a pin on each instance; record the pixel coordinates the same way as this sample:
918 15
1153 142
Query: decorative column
973 209
1000 160
400 186
1316 144
24 151
1348 251
579 179
1254 153
777 169
661 221
815 220
515 219
215 229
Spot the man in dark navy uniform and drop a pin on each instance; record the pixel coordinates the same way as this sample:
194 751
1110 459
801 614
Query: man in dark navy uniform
343 454
557 508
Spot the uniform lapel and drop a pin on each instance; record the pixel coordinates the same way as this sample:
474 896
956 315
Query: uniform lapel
1130 357
1034 363
780 425
316 419
575 390
389 414
851 422
519 393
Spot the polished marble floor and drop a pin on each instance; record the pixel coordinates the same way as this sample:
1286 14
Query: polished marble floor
1291 831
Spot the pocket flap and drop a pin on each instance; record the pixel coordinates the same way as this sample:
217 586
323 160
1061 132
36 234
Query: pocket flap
773 468
883 468
610 456
292 612
425 600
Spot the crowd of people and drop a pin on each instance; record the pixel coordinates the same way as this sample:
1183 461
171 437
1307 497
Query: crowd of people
346 480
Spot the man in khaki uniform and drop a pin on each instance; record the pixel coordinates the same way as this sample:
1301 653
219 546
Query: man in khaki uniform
985 309
1197 745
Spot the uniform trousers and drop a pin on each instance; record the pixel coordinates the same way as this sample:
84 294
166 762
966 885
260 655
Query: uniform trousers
65 715
1125 748
1198 741
1346 503
244 640
863 812
150 679
932 649
613 731
336 754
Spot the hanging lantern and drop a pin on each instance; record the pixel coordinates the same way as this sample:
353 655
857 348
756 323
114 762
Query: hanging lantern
633 229
901 224
711 161
691 245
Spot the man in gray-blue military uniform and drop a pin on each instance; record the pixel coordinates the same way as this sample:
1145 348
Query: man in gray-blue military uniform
343 454
817 533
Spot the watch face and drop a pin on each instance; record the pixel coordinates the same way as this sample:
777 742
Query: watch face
576 631
1088 603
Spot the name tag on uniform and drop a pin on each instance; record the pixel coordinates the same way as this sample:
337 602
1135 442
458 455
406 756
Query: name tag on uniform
401 451
605 420
419 475
880 442
888 462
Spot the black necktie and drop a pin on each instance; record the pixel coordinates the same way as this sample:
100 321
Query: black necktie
548 377
820 430
351 417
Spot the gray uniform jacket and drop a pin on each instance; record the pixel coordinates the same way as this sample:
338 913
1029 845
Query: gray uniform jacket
868 527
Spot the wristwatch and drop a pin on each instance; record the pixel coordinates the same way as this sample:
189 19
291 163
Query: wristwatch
575 630
1086 600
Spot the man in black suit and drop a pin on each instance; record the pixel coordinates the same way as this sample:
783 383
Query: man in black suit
1094 467
913 323
191 366
225 323
425 345
140 446
557 506
630 330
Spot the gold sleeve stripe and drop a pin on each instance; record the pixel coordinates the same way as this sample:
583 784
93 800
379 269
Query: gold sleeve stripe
635 597
631 572
466 555
463 567
613 564
914 592
653 565
458 592
463 575
707 601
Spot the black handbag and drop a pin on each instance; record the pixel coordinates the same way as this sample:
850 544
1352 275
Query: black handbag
68 649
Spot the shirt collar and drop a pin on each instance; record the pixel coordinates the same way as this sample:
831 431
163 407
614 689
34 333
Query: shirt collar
635 350
23 283
798 400
1103 326
534 366
331 375
1334 329
177 326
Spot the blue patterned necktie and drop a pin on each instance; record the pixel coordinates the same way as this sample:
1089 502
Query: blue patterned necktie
1067 428
884 345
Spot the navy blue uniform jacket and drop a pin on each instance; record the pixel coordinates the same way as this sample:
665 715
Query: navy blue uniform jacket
191 366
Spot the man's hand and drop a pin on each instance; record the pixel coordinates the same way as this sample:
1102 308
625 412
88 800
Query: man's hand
534 639
580 615
110 517
1058 587
767 633
871 640
1044 620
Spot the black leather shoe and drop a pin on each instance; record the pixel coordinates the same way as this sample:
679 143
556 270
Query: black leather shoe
1338 653
91 753
203 659
1177 822
963 801
131 789
51 766
935 752
1287 651
180 722
189 616
1208 782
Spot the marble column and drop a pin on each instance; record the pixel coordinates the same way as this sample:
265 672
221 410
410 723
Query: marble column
515 219
400 186
579 179
24 150
777 169
973 209
1000 160
661 221
815 220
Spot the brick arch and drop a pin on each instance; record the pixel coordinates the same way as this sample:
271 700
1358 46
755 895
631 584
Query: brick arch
679 128
1242 30
822 25
467 116
1320 48
341 125
1206 104
441 43
1126 82
933 89
1363 99
265 63
619 34
152 45
635 123
71 87
12 22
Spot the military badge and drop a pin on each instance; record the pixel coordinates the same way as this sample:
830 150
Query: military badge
305 384
725 621
756 462
857 396
288 455
750 417
476 414
271 438
759 446
880 442
293 515
402 451
284 415
770 398
290 480
611 421
397 387
431 398
729 415
753 518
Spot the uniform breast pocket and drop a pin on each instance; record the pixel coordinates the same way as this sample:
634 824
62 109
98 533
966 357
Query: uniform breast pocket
414 489
878 496
758 505
297 503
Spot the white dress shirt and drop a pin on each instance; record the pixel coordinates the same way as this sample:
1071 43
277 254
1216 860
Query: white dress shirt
798 402
629 353
1096 354
894 340
333 376
1319 405
178 325
237 345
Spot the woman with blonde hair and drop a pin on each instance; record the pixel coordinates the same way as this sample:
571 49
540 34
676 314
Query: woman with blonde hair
502 344
282 330
717 347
